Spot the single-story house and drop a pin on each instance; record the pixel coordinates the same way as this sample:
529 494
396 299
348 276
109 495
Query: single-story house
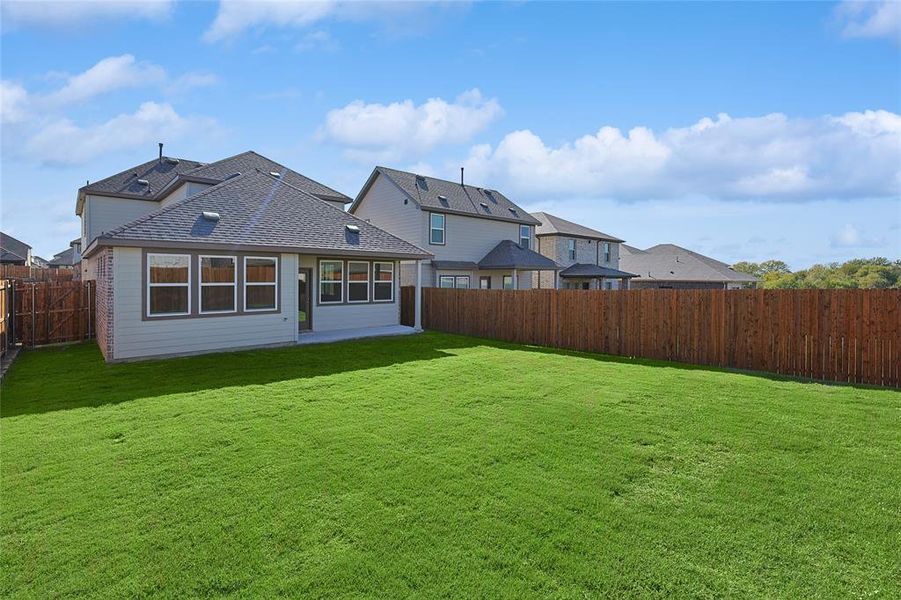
670 266
250 261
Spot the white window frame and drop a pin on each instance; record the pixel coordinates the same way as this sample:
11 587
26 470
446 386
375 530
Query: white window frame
451 277
442 229
234 285
504 282
339 281
375 281
153 285
606 252
571 248
527 237
468 282
260 283
367 282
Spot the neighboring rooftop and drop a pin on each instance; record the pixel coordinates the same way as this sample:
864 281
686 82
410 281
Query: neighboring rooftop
510 255
668 262
11 245
452 197
554 225
588 270
154 179
258 211
67 258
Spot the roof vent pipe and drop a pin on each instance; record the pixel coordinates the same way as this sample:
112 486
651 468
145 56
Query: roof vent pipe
461 175
161 152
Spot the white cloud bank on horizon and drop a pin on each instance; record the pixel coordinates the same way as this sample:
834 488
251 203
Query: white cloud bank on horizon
404 129
66 13
859 19
773 157
38 129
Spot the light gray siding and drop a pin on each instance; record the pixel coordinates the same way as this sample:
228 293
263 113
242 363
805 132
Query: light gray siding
137 338
183 191
103 213
385 205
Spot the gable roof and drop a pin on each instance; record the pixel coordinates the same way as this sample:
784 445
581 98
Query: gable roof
554 225
510 255
258 211
66 258
10 257
669 262
161 174
451 197
11 245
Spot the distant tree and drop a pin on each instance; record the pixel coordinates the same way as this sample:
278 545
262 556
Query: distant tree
857 273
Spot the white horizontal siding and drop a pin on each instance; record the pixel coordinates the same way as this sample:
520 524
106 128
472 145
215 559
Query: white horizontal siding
137 338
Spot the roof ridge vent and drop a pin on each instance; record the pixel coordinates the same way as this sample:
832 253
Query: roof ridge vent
171 161
210 215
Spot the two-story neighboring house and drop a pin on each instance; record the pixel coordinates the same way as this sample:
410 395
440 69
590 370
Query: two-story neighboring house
479 237
14 252
589 259
133 193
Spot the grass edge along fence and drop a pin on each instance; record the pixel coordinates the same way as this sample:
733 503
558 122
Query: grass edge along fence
850 336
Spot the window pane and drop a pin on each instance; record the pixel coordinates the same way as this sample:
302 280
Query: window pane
485 283
330 292
357 292
217 297
331 270
437 236
260 296
384 272
383 291
463 282
167 300
445 281
357 271
260 270
217 270
508 282
168 268
437 221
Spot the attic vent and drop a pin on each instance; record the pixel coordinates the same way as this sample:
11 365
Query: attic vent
210 215
485 206
275 173
143 182
513 210
172 161
442 200
353 228
232 176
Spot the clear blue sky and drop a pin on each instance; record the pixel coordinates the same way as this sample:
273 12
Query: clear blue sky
745 131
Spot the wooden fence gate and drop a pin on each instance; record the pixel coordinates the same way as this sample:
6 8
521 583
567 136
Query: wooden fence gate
51 312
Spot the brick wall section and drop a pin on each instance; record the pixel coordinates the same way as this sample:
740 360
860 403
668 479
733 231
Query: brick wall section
104 299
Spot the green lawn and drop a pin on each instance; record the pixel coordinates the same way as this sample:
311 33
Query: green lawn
439 465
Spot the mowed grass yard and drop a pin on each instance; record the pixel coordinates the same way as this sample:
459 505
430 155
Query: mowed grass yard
439 465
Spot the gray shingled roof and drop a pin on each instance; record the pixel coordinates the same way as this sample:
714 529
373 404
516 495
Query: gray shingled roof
161 173
66 258
11 244
158 173
250 161
451 197
510 255
589 270
12 258
554 225
459 265
668 262
259 211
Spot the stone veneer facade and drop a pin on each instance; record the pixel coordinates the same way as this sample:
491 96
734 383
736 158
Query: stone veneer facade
104 302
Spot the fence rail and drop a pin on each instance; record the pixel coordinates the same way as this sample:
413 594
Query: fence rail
40 313
836 335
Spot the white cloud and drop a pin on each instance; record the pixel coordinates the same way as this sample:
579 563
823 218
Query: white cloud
66 13
190 81
62 142
870 19
112 73
772 157
236 16
13 102
850 236
404 128
317 40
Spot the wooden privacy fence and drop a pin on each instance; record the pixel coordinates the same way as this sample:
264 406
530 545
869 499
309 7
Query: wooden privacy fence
37 273
836 335
52 312
6 340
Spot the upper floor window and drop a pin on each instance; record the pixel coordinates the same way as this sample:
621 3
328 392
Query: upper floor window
436 228
606 251
260 282
525 236
168 284
218 284
571 249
